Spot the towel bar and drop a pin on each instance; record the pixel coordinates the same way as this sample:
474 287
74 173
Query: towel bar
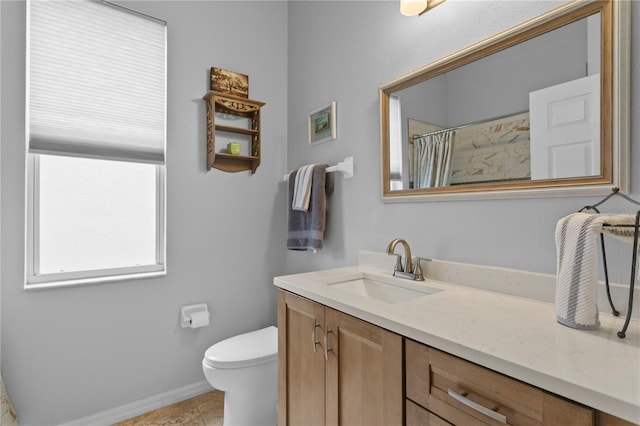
345 167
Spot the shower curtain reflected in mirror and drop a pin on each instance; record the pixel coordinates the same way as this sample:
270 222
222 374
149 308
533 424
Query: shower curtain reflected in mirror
432 159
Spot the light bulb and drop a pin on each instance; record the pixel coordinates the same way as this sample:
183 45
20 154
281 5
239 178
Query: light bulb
412 7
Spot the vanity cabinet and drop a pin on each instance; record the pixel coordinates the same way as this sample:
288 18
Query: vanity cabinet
334 368
604 419
463 393
239 110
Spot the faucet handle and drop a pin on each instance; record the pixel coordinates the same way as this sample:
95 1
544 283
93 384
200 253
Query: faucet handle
398 267
417 269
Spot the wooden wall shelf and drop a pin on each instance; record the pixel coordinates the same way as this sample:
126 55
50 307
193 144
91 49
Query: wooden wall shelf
241 108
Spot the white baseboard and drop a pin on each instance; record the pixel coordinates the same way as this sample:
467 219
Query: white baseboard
142 406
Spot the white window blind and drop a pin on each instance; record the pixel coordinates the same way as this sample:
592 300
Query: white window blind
96 81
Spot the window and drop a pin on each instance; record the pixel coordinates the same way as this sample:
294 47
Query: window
96 119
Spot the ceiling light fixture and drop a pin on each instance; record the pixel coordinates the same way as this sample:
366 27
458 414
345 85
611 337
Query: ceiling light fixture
417 7
412 7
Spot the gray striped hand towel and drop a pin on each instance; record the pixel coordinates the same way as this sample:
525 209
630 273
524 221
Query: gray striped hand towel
576 238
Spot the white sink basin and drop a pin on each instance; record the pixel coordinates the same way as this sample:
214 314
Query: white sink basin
384 292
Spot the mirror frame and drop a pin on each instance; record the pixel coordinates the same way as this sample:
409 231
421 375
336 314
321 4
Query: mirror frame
615 106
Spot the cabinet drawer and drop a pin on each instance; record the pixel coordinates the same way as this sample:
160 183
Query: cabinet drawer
464 393
609 420
418 416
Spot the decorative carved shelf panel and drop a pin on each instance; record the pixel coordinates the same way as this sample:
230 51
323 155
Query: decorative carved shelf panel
229 105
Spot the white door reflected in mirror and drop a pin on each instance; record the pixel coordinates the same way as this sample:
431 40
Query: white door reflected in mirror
565 129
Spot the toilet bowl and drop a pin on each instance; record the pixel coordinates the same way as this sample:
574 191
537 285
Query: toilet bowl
245 368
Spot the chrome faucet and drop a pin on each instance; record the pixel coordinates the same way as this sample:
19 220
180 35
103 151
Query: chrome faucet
408 270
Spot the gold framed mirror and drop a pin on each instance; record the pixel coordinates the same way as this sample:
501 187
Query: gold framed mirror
538 110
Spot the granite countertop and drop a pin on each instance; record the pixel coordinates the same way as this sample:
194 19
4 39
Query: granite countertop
514 335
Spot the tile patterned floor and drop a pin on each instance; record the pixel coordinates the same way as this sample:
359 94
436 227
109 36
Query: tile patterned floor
202 410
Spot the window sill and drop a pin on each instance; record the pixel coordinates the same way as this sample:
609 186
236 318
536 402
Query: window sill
45 285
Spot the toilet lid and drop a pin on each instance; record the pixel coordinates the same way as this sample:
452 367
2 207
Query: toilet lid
253 348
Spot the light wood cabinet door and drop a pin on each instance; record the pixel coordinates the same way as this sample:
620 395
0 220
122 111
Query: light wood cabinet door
363 373
335 369
301 364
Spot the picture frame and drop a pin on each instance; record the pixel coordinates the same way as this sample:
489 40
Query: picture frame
322 124
229 82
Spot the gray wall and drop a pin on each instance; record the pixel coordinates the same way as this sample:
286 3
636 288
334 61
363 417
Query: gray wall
368 44
69 353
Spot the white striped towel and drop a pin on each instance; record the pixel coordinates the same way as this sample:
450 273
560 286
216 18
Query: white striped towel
576 243
302 188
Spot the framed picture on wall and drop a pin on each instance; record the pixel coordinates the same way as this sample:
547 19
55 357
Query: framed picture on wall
229 82
322 124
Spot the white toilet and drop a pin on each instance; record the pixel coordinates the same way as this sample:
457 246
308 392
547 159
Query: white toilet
245 367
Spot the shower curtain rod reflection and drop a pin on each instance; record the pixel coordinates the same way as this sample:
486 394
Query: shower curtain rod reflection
450 129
